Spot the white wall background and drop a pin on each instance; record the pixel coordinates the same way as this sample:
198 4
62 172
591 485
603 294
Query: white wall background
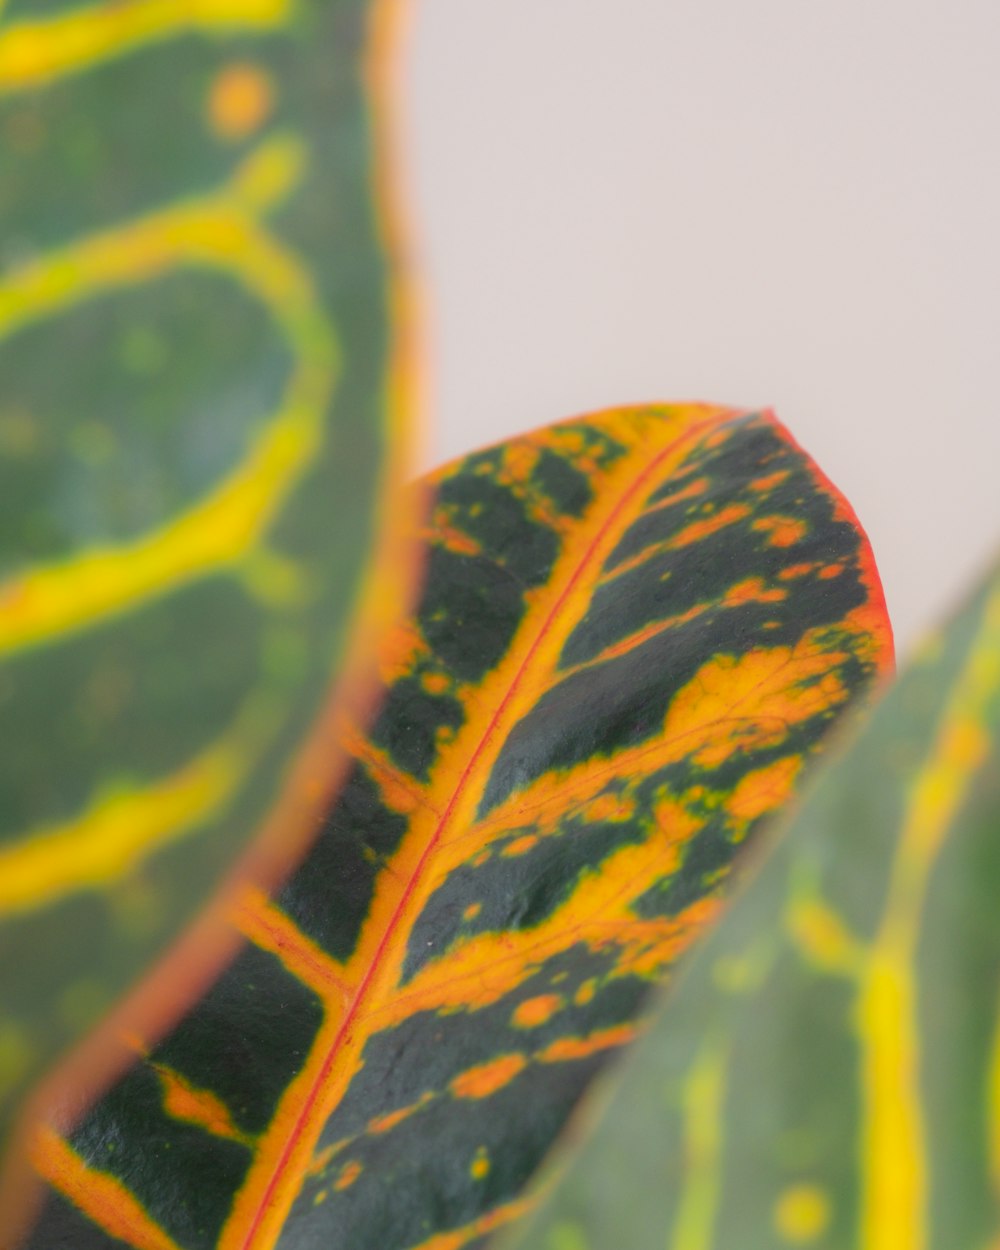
784 202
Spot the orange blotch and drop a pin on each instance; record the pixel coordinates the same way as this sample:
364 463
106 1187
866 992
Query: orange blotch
384 1123
184 1101
691 491
321 1160
782 531
698 530
769 482
401 650
480 1166
435 683
444 534
614 807
240 101
349 1173
487 1078
521 846
765 789
472 911
519 461
535 1011
582 1047
795 570
742 702
677 823
831 570
752 590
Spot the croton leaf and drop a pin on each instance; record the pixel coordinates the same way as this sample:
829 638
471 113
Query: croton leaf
198 384
634 631
828 1072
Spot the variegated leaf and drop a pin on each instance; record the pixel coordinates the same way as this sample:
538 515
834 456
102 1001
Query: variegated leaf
197 392
827 1074
635 630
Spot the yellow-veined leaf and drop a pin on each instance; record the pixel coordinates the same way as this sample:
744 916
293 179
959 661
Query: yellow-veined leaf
634 632
201 387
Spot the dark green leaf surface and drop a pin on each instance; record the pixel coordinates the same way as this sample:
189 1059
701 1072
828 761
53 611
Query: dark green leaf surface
635 630
195 360
828 1072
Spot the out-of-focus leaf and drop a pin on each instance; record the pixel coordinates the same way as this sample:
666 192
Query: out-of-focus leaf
196 399
634 631
827 1073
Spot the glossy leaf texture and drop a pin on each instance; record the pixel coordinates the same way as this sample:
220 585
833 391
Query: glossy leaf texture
199 427
634 631
828 1072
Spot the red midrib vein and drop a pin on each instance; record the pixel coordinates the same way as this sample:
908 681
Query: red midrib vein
721 417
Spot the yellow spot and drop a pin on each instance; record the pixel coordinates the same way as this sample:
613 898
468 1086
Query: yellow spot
275 580
480 1164
521 846
349 1173
37 52
536 1011
321 1196
743 973
802 1214
586 992
240 101
823 938
472 911
764 789
565 1236
487 1078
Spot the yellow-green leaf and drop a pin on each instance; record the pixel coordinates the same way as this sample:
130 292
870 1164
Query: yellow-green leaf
635 630
199 432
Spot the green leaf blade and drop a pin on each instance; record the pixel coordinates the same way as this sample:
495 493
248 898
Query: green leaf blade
200 431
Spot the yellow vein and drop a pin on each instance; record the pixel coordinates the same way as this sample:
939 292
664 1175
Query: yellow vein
701 1108
33 53
220 232
894 1163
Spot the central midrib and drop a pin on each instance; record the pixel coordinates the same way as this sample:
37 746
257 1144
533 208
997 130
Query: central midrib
719 417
